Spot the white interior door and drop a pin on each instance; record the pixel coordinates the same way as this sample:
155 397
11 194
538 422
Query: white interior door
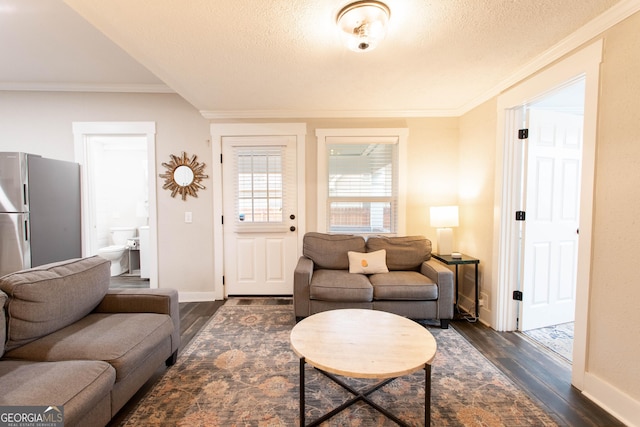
552 218
260 218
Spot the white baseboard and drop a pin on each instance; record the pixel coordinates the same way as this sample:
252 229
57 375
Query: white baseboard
613 400
196 296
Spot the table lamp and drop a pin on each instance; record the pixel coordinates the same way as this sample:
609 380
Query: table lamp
443 218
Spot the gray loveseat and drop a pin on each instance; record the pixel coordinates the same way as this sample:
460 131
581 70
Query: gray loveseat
71 341
415 286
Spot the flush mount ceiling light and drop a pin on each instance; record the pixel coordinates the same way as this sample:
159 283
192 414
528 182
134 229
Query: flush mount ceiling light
363 24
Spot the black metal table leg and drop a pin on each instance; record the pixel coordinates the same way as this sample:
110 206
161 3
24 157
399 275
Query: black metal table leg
362 396
302 396
427 395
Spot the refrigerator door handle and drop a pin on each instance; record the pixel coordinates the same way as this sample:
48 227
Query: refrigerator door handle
24 194
26 230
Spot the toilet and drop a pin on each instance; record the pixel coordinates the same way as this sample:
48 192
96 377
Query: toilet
116 252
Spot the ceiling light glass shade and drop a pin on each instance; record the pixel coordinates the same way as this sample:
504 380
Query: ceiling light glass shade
363 24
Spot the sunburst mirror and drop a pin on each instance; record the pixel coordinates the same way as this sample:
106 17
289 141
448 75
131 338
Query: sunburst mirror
183 176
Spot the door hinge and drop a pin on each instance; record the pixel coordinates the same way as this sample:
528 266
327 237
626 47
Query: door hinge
222 280
520 215
517 295
523 133
220 157
222 220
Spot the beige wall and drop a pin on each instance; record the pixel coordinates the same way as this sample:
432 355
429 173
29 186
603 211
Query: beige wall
476 167
614 338
432 175
40 123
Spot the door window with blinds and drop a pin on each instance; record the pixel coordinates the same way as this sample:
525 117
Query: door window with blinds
259 185
361 179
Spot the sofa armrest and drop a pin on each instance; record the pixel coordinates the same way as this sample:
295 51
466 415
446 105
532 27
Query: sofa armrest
443 277
301 291
161 301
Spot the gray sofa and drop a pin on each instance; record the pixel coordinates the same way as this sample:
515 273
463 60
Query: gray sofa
415 286
70 341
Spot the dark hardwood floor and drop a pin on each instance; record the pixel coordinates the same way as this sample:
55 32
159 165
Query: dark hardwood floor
545 377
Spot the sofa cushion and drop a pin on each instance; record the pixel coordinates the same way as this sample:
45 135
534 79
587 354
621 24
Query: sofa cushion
368 262
403 285
121 339
340 285
47 298
329 251
403 253
80 386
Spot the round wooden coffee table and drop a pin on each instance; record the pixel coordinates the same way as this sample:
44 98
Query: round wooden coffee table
363 344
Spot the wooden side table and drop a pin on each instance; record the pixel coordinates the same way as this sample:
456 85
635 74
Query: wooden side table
464 259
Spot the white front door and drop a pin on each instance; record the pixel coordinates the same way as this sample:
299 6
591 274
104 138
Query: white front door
552 218
260 214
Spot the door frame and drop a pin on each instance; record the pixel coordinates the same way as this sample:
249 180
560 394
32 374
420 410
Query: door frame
585 62
218 132
82 133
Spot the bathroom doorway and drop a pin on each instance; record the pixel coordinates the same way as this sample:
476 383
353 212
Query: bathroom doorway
118 170
118 180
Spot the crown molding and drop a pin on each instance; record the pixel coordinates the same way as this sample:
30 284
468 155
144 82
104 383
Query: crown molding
323 114
85 87
586 33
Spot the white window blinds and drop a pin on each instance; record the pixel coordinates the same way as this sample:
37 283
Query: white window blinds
259 188
362 186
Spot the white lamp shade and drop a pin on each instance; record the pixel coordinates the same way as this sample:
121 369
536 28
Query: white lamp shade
444 216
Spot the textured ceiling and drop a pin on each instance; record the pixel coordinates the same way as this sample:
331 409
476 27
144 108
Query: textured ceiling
233 58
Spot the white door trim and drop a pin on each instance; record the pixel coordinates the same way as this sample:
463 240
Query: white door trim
81 133
220 130
585 62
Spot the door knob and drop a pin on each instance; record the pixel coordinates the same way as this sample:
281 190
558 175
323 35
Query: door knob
292 228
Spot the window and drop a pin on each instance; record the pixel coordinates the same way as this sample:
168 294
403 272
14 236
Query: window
360 181
260 190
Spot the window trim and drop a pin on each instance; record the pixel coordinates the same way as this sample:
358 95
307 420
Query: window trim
354 136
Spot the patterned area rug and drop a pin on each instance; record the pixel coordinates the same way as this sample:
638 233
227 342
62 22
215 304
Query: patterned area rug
558 338
241 371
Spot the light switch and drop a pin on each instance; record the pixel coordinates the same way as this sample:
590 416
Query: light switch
188 217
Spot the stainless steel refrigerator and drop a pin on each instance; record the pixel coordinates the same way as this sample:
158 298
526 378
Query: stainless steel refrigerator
39 211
